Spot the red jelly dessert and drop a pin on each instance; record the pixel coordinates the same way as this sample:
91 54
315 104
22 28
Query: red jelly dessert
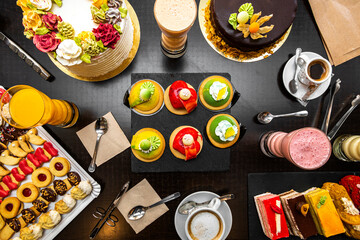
42 177
186 141
59 166
352 185
27 192
9 207
182 96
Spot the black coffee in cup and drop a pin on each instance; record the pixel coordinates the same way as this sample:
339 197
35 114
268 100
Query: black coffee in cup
318 70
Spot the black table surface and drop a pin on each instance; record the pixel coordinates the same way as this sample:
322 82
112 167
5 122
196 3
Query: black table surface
260 84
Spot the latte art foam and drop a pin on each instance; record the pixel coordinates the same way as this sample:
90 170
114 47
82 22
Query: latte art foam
205 225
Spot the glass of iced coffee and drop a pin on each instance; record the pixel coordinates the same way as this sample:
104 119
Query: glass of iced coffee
175 18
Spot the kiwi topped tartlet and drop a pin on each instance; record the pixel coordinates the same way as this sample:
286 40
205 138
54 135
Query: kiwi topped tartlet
216 93
146 97
223 130
148 145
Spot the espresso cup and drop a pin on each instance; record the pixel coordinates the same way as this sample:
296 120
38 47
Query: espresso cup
205 223
315 71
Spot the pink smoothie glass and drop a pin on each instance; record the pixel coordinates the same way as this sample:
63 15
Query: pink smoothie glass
307 148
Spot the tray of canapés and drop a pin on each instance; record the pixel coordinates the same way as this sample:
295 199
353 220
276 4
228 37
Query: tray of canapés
42 188
215 93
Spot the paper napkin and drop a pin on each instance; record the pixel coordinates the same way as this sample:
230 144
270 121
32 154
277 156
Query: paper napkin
111 144
142 194
339 24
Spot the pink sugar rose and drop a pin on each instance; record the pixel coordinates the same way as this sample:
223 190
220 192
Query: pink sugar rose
107 34
46 42
51 20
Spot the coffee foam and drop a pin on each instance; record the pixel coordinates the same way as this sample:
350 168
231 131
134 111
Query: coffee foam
205 225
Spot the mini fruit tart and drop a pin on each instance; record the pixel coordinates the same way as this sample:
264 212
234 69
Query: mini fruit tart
223 130
216 93
148 145
146 97
10 207
41 177
27 192
186 142
180 98
59 166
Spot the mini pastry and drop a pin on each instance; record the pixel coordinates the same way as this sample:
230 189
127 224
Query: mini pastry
41 177
82 190
24 143
48 194
49 148
146 97
10 207
34 138
65 205
28 215
59 166
2 222
323 211
352 185
60 187
180 98
6 159
15 149
74 178
148 145
186 142
297 214
27 192
3 171
271 215
50 219
40 205
223 130
348 213
216 93
32 232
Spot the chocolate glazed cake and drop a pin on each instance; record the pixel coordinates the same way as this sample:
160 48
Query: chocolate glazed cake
283 16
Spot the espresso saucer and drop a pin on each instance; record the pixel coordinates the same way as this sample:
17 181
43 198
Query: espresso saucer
288 75
199 197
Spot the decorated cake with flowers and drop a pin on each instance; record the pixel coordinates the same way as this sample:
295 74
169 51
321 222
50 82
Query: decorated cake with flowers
90 38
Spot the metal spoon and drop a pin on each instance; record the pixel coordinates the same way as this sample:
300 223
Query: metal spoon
187 207
266 117
101 127
333 91
338 125
293 84
139 211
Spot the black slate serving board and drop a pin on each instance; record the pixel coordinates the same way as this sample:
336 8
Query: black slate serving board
281 182
210 159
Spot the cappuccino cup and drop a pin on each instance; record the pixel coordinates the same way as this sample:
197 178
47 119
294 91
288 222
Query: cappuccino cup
205 224
315 71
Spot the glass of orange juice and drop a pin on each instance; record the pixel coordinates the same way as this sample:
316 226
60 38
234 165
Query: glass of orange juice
27 107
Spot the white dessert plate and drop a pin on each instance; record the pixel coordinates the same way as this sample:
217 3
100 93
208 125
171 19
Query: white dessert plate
80 204
199 197
288 75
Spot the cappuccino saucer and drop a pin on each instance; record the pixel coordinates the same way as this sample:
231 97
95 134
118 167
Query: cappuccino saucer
288 75
199 197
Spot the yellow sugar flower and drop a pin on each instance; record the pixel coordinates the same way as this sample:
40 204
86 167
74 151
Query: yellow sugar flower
31 20
85 35
98 3
22 4
254 29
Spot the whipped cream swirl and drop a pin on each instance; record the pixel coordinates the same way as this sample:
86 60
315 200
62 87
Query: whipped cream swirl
42 4
221 128
215 89
68 53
